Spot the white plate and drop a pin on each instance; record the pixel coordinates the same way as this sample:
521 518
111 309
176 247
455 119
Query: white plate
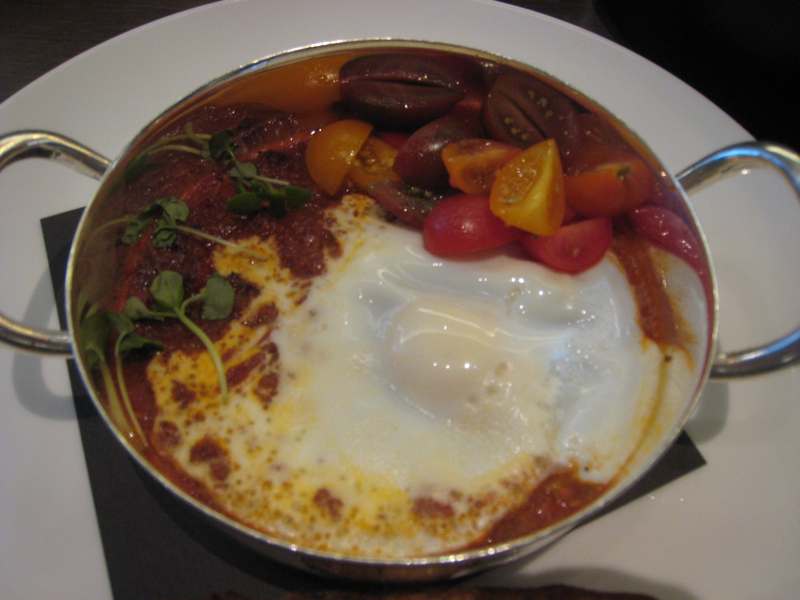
728 530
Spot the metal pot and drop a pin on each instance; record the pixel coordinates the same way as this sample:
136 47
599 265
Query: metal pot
85 280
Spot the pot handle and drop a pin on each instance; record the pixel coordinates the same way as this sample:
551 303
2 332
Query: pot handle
41 144
735 159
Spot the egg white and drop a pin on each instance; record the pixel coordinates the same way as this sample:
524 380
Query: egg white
405 377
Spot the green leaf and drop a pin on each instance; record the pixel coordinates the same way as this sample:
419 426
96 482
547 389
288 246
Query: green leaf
246 203
221 146
218 298
93 335
137 342
296 196
241 170
164 235
136 167
135 309
167 290
124 327
135 228
174 209
121 323
261 190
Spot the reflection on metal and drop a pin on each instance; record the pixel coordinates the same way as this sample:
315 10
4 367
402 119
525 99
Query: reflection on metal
40 144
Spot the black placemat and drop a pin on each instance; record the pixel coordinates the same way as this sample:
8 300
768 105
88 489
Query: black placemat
157 548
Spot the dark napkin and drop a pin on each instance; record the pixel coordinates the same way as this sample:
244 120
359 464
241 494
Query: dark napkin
157 548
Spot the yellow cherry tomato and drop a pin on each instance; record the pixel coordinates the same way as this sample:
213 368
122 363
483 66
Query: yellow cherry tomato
332 150
529 191
373 164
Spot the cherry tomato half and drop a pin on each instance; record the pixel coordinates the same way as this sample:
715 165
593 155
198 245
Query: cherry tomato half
529 191
332 150
373 164
574 248
473 163
409 204
419 161
464 223
610 189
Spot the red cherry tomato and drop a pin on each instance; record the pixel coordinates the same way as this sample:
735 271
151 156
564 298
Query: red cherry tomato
609 189
666 229
574 248
465 223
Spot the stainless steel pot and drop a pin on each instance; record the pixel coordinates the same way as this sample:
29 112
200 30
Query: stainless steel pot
84 279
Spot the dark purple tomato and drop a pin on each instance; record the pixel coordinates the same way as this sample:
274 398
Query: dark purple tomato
419 161
523 111
410 205
400 91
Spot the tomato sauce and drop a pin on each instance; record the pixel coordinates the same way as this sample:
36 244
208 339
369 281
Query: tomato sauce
559 496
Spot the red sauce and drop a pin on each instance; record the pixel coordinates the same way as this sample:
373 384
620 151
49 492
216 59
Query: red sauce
559 496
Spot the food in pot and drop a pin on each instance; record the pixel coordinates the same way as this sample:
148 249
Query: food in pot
414 304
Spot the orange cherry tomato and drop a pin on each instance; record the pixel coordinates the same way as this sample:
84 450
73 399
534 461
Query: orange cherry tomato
373 164
473 163
529 191
610 189
332 150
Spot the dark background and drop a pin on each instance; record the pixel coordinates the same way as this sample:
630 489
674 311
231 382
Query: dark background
744 55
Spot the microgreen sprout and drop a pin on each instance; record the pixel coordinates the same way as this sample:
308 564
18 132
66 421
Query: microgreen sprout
170 302
94 335
258 196
169 213
254 191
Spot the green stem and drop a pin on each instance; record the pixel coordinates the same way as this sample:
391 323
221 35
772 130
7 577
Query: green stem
280 182
179 147
114 405
215 357
197 138
220 241
126 400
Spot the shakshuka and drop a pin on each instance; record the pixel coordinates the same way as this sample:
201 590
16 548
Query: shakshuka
395 304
